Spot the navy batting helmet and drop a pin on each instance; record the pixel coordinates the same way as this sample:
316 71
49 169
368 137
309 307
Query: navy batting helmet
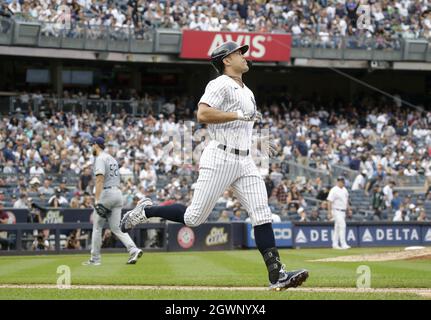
223 51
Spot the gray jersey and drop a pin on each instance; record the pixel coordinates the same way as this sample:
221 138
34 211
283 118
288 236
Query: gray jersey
225 94
107 166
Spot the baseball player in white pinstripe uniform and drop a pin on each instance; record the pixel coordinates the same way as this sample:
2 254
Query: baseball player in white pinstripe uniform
229 109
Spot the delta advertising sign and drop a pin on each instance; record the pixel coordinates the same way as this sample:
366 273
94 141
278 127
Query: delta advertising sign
390 235
364 235
321 235
263 46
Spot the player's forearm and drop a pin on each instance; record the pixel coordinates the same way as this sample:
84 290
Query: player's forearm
210 115
99 188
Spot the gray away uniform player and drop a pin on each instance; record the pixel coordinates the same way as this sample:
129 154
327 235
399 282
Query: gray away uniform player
108 204
228 108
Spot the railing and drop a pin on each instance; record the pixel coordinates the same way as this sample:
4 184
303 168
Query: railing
13 178
79 105
21 235
402 181
298 170
339 170
76 36
359 42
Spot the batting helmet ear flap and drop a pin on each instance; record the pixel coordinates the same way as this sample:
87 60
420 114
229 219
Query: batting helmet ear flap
218 66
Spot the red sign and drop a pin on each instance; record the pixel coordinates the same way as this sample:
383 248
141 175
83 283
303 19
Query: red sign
263 46
186 237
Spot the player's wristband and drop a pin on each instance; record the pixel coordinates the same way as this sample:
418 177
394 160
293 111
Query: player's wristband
240 115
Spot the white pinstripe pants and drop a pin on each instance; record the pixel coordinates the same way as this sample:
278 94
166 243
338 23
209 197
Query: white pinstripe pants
219 170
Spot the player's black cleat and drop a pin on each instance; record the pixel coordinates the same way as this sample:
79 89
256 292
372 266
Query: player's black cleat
289 279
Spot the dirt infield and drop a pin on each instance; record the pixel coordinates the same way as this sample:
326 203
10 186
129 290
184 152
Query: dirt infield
384 256
425 292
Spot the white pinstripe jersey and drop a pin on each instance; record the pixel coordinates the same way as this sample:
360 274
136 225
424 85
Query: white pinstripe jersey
226 94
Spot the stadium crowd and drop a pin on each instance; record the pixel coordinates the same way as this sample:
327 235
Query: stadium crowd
326 20
46 158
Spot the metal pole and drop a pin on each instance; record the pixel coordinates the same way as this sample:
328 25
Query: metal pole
18 239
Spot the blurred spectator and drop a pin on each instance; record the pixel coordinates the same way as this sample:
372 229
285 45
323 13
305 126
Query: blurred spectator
9 168
423 216
281 192
22 202
35 213
108 239
401 215
226 200
46 188
62 188
34 185
302 215
85 179
237 216
40 243
57 200
396 202
360 181
75 202
314 215
224 216
4 219
377 202
301 151
388 193
73 241
36 170
87 203
294 198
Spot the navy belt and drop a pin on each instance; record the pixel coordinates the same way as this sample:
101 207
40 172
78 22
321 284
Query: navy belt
343 210
234 151
111 187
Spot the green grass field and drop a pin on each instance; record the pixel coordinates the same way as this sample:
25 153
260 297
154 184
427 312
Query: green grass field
220 269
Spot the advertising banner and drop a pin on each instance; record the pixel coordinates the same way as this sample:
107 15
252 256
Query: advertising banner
282 234
262 46
389 235
426 235
209 236
321 236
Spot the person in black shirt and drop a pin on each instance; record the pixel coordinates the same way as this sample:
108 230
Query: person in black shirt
5 11
323 194
85 179
378 201
133 5
242 9
352 8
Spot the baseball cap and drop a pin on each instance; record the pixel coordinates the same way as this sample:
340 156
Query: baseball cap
99 141
35 180
340 178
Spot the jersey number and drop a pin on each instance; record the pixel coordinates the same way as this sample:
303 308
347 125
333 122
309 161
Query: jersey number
113 169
